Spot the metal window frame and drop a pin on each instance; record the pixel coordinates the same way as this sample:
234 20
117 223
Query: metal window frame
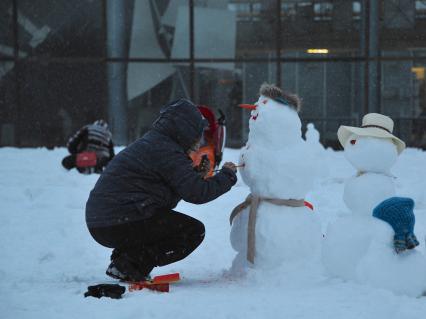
367 57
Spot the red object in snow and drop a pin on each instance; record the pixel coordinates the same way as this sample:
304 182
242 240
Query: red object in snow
86 159
309 205
158 283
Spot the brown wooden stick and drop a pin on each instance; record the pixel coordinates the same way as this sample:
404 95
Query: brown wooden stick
242 165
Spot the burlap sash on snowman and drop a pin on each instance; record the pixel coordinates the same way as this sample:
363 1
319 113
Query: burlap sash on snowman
254 201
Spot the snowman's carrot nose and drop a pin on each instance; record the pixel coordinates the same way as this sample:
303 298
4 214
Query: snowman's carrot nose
248 106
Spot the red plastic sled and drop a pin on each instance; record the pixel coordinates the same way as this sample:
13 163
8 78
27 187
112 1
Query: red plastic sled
158 283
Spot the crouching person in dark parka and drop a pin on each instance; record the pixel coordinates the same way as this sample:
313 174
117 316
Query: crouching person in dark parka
131 206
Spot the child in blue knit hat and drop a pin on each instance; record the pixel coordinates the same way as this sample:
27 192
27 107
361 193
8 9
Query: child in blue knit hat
398 212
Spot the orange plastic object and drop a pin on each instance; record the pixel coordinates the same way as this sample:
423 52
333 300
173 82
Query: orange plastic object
86 159
169 278
205 150
247 106
158 283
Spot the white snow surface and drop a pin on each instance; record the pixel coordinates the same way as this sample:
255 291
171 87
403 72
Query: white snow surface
48 258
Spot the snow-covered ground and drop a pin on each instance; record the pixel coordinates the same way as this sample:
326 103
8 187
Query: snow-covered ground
47 257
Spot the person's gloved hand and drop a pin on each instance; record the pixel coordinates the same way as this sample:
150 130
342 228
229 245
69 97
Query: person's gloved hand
398 213
204 167
231 166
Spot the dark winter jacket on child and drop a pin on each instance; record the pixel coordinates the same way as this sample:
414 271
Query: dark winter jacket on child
154 173
94 137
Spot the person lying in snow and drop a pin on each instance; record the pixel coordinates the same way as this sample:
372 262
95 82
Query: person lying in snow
130 209
91 148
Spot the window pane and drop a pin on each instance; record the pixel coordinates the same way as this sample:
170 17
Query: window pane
418 137
330 91
224 89
403 97
221 90
321 28
159 29
215 30
149 87
228 29
61 28
57 99
403 25
256 28
402 81
7 41
8 105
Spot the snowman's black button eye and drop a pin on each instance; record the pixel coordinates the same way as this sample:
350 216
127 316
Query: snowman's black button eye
353 142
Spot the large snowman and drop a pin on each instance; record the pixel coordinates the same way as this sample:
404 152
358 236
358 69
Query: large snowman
275 226
360 246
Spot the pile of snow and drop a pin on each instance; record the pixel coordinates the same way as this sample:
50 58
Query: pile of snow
48 257
317 150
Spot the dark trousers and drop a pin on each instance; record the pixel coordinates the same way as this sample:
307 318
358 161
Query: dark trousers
160 240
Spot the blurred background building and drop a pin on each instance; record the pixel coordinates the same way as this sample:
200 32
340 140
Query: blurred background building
66 63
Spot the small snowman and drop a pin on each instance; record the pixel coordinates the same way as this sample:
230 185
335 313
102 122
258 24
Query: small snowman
359 246
312 137
275 225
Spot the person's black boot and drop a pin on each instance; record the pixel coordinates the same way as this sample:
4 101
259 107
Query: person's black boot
126 268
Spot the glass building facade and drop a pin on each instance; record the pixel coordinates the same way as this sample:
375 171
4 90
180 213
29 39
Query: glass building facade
66 63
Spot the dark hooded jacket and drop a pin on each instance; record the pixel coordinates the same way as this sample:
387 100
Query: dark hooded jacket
154 173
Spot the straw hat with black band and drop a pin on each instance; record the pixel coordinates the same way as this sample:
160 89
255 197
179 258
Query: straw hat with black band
373 125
